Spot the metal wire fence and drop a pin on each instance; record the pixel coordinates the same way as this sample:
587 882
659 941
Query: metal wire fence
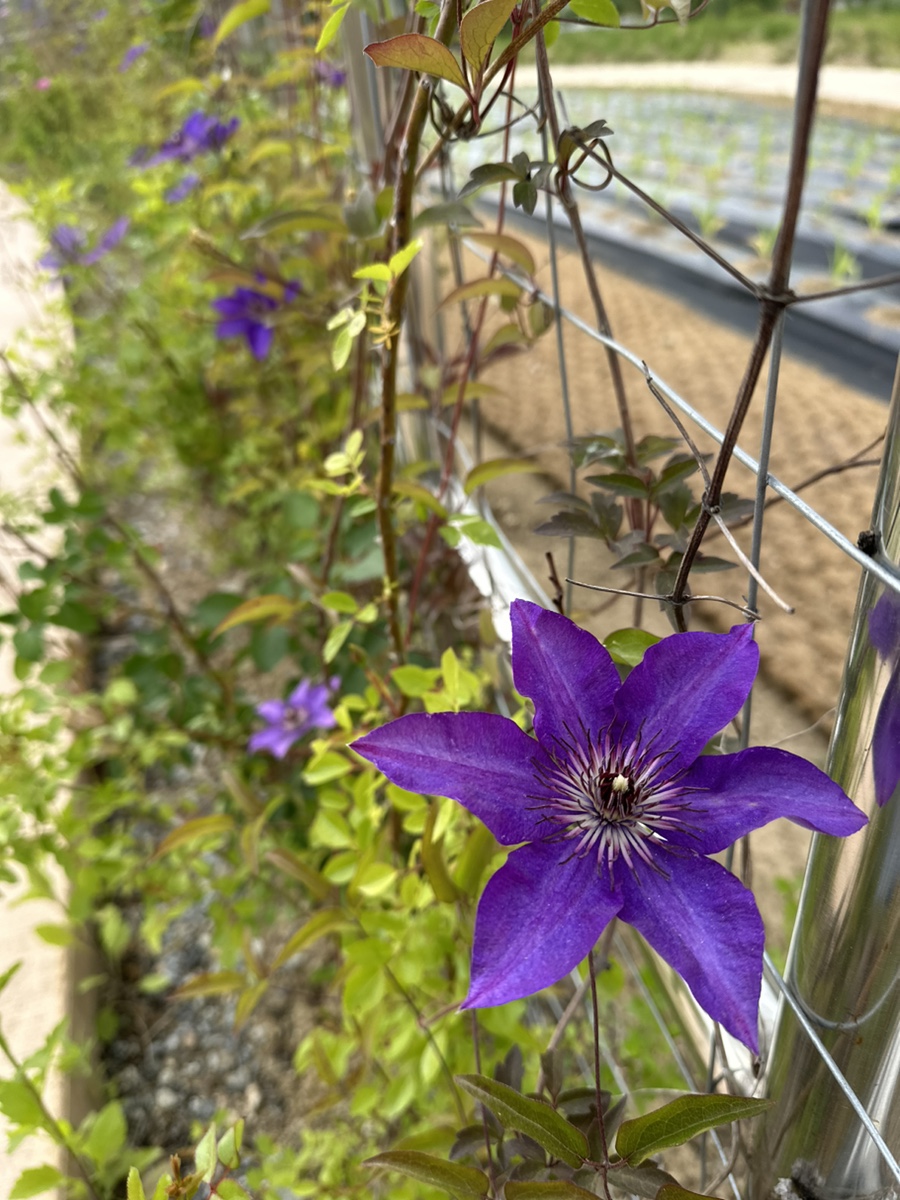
836 1130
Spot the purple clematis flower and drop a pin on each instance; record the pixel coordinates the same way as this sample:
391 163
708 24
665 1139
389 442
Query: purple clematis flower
199 134
246 313
331 76
288 720
68 244
132 54
617 810
884 634
182 189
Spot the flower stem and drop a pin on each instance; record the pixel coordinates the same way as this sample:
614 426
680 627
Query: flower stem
604 1164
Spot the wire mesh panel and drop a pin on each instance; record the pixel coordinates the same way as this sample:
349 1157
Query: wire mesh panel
838 1002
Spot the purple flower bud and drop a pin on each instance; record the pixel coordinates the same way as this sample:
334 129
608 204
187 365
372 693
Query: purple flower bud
133 54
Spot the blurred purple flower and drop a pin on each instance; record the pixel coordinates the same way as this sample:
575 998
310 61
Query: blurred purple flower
68 244
246 313
884 634
288 720
133 54
618 808
41 85
199 134
180 190
331 76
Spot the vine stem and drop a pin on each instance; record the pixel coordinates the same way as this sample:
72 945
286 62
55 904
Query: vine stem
395 306
595 1009
773 299
53 1127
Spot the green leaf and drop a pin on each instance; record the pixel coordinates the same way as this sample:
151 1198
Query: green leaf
486 174
416 52
644 1181
211 983
331 28
449 213
494 468
193 831
621 483
682 1119
36 1180
598 12
482 287
556 1189
258 608
475 528
379 272
570 524
230 1189
326 920
229 1147
398 262
627 646
205 1161
448 1176
674 1191
415 681
479 28
107 1134
336 638
236 16
134 1189
531 1117
19 1104
641 557
291 864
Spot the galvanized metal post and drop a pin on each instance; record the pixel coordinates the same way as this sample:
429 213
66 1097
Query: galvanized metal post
844 963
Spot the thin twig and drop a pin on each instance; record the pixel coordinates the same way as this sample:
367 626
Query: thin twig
595 1008
748 565
749 613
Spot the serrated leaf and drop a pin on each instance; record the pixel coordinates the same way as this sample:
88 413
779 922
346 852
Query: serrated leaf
508 246
35 1181
416 52
621 484
482 287
326 920
598 12
530 1117
495 468
134 1189
211 983
194 831
258 608
479 28
682 1119
237 16
448 1176
554 1189
628 646
330 28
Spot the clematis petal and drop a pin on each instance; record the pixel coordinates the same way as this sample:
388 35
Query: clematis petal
272 711
686 688
886 741
480 759
275 740
539 916
564 670
706 926
259 339
741 792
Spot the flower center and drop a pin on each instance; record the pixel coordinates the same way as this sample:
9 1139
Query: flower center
294 717
611 800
